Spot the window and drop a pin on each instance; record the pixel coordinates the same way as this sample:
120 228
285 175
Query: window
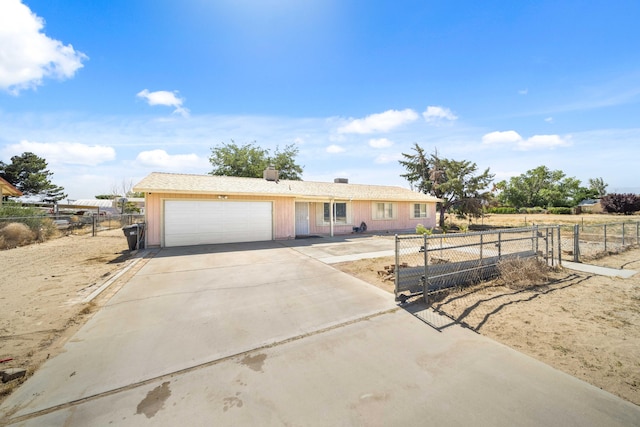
420 210
384 211
339 212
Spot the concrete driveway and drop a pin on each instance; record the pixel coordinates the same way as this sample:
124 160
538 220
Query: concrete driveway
265 334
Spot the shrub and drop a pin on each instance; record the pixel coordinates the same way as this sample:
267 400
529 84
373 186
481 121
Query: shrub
522 273
47 230
30 216
532 211
41 226
16 234
560 211
621 203
421 229
502 210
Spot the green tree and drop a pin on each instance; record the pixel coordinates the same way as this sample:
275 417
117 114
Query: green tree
29 174
455 182
250 161
542 187
598 186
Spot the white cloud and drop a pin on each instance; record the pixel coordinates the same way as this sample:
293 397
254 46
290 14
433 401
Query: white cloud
380 143
509 136
27 55
535 142
549 120
523 91
380 122
436 115
335 149
64 152
387 158
164 161
543 141
165 98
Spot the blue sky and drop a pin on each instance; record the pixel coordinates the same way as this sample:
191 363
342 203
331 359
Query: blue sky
109 91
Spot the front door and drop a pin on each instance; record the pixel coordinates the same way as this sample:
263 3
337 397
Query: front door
302 219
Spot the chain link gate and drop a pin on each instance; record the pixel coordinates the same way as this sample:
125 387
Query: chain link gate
430 263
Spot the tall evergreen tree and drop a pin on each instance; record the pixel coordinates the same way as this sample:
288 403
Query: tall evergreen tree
455 182
28 173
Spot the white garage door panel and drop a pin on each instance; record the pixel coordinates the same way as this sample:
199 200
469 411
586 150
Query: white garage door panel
197 222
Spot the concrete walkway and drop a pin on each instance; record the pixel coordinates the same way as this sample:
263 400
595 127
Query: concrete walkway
260 334
596 269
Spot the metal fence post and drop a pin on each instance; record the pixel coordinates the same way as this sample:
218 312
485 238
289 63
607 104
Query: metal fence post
397 274
499 245
605 237
94 228
425 283
576 243
546 244
559 247
638 233
397 269
481 246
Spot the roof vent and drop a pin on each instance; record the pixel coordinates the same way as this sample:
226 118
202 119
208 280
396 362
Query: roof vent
341 180
270 174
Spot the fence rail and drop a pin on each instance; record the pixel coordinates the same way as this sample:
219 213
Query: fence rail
427 264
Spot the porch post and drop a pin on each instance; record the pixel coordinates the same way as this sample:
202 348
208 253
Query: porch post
331 216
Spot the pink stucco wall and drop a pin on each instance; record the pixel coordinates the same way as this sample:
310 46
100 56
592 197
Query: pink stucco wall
284 216
283 224
362 211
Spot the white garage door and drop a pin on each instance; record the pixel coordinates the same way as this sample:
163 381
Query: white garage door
200 223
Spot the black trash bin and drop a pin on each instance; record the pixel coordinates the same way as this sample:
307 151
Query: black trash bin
135 236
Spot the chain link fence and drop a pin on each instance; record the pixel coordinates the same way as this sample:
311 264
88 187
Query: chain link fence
585 242
429 263
81 224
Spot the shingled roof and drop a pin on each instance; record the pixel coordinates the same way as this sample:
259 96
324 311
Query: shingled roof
6 189
158 182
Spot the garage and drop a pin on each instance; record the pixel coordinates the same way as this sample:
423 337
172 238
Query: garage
189 223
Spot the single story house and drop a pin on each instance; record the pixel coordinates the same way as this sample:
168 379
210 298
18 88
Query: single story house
184 210
6 189
590 206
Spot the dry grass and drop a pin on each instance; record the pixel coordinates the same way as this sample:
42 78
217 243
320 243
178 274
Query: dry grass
523 273
527 220
16 234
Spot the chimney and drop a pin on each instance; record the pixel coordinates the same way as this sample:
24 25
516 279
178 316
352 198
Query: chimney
341 180
270 174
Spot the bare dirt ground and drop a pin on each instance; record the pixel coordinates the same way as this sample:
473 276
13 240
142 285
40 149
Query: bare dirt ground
585 325
42 288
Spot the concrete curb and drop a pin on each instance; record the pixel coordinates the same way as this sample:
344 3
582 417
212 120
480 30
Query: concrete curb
108 283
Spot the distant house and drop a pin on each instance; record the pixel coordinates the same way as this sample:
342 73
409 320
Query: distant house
6 189
186 210
590 206
108 206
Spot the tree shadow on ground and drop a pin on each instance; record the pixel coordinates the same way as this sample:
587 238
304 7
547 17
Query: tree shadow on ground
439 303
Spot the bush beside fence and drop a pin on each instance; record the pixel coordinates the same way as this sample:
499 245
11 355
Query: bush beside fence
427 264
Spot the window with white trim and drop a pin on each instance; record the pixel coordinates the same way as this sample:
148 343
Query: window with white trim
420 210
341 212
384 210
